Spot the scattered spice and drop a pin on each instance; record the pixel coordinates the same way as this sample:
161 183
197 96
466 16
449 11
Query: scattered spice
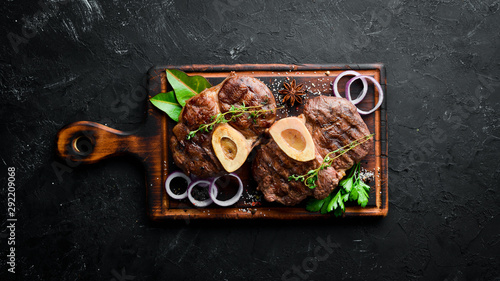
292 92
365 175
252 198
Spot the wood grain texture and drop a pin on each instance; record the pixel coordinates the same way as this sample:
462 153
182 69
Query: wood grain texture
149 143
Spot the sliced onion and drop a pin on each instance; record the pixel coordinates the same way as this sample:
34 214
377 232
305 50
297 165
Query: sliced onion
228 202
377 85
350 72
170 178
204 203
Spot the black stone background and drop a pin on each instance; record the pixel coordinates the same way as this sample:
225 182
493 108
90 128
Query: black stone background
84 60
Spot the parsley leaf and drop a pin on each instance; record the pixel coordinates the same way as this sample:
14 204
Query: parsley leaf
362 193
337 202
351 188
324 208
314 205
347 184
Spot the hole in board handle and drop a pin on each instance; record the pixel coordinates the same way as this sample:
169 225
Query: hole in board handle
82 145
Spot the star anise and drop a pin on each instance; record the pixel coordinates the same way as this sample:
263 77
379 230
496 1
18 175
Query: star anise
292 92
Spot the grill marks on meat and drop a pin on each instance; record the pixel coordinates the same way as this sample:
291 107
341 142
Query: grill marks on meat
196 156
252 92
272 167
200 108
333 123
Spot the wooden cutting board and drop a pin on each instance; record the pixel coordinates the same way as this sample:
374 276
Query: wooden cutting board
89 142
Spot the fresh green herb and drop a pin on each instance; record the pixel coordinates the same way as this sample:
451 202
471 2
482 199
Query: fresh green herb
311 177
167 103
352 188
253 112
359 193
184 87
314 205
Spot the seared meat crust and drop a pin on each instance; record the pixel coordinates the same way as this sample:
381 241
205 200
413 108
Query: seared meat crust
333 123
196 156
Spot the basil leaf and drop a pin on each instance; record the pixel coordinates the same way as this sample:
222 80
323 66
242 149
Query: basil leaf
166 102
186 86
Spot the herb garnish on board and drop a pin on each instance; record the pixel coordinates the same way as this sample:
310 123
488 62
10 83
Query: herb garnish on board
235 111
184 87
311 177
352 188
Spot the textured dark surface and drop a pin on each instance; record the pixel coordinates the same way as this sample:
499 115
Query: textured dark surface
87 59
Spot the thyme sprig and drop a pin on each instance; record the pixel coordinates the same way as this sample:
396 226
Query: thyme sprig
311 177
235 112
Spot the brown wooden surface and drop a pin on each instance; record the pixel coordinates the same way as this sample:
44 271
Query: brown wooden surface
149 143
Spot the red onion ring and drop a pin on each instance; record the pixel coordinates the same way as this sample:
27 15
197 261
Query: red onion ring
203 203
228 202
170 178
377 85
350 72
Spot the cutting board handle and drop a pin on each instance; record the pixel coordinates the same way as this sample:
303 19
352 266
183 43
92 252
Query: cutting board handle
90 142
